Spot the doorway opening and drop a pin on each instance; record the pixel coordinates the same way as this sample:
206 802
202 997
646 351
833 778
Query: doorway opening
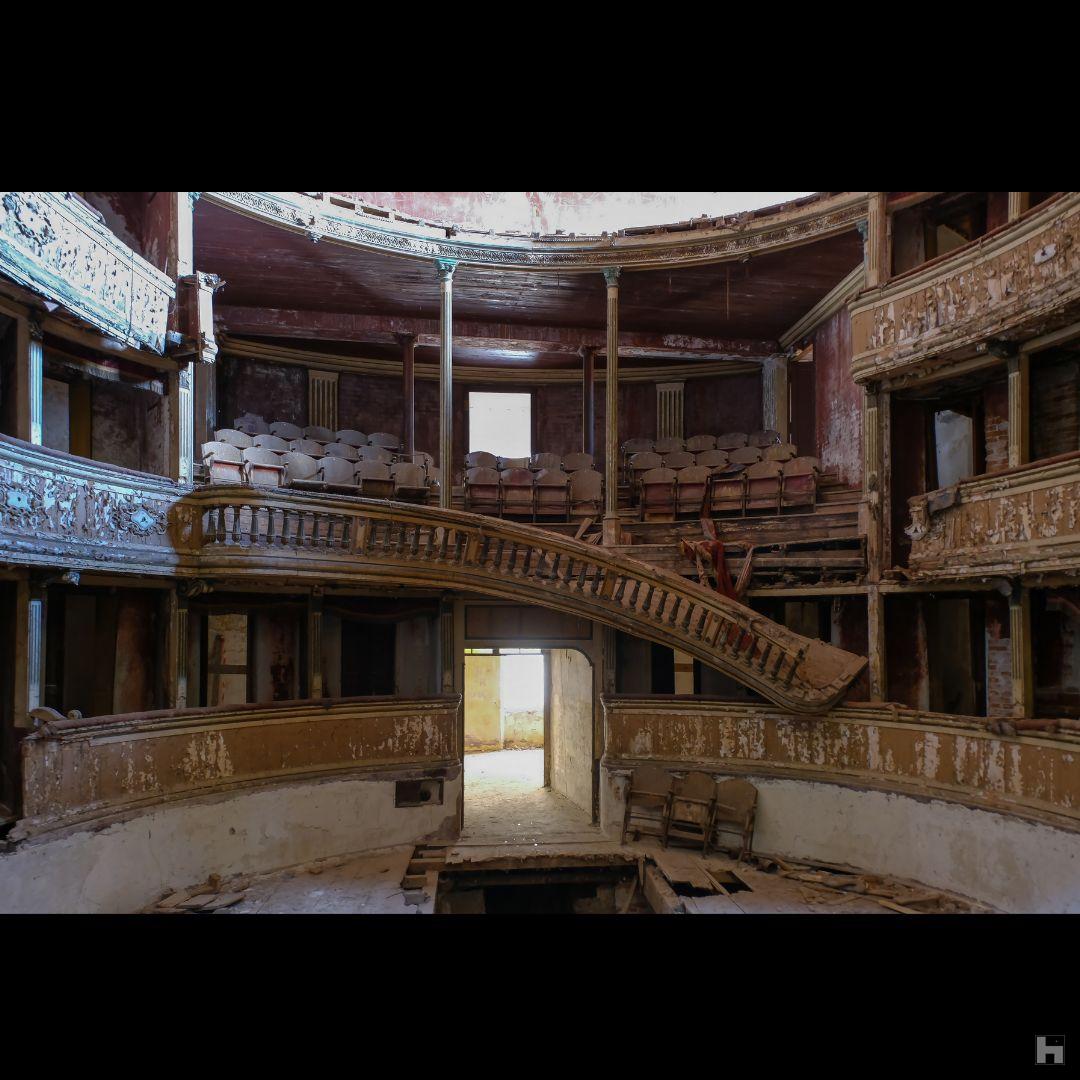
528 742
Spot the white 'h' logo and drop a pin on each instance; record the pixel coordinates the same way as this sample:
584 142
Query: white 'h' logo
1050 1049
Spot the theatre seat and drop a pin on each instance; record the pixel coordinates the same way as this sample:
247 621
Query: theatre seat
763 486
727 489
251 424
481 459
352 437
482 490
668 445
225 462
342 450
678 459
586 492
745 455
551 497
263 468
336 472
575 462
658 492
692 486
780 452
384 439
374 453
713 459
799 482
374 479
410 481
273 442
319 434
309 447
763 438
301 470
241 440
513 463
542 461
642 463
517 492
285 430
731 440
699 443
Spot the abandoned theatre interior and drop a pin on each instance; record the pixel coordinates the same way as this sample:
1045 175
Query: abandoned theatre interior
448 552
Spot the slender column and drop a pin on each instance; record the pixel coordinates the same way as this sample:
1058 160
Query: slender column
28 388
1018 203
445 269
876 249
1023 679
875 632
774 396
29 650
408 392
314 639
1019 410
873 478
180 263
588 399
176 646
611 419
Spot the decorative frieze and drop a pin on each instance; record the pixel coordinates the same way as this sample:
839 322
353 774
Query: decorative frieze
54 245
1008 283
1023 520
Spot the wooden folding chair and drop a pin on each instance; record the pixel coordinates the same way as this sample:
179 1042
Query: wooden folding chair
734 812
692 809
650 789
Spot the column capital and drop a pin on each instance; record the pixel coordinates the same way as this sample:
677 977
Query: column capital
863 225
611 275
35 330
445 269
406 339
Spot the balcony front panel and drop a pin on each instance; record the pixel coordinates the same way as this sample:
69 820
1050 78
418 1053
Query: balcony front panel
80 769
1025 520
1017 280
885 747
52 244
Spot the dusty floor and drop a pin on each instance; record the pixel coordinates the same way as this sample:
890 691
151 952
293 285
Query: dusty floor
511 820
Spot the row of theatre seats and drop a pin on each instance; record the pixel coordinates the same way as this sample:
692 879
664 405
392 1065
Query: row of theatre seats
543 485
314 458
730 473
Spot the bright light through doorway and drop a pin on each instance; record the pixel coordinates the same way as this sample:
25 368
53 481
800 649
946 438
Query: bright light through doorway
500 423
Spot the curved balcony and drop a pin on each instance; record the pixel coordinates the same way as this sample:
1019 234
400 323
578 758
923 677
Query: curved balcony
56 246
325 217
1021 279
1018 521
55 510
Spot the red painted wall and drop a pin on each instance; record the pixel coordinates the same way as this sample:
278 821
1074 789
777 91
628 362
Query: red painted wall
838 401
725 403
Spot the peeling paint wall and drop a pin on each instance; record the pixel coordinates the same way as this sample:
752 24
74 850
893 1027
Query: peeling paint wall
839 401
571 750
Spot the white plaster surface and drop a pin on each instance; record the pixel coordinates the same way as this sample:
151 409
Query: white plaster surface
1005 862
127 865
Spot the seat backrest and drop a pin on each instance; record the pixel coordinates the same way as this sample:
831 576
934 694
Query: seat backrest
352 437
745 455
696 785
374 453
650 780
730 471
586 485
552 478
408 475
336 470
668 445
762 470
637 446
731 440
257 455
695 474
299 466
516 477
481 476
371 470
419 457
251 424
678 459
513 463
384 438
711 459
645 460
698 443
735 799
308 446
222 451
272 442
481 459
658 476
801 466
322 434
576 461
340 449
764 438
780 452
284 430
233 437
545 461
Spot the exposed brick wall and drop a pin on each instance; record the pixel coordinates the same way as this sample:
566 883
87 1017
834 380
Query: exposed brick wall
557 410
998 657
722 403
996 425
372 403
1055 407
272 391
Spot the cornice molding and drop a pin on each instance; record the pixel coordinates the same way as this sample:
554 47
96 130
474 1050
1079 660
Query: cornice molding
720 240
466 373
